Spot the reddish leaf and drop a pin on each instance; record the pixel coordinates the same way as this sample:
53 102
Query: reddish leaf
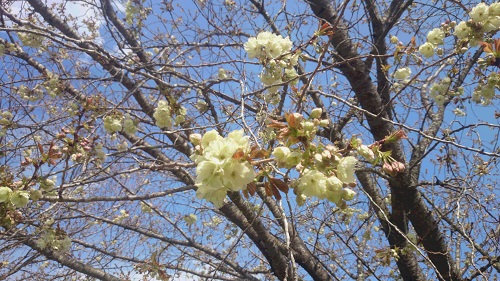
276 125
279 184
413 42
267 187
276 192
258 153
245 194
324 25
40 147
251 187
486 47
238 154
290 119
497 45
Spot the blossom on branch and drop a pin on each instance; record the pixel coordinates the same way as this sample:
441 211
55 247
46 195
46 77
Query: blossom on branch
221 166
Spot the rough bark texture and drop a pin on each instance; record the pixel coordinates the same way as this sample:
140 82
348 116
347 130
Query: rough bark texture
406 200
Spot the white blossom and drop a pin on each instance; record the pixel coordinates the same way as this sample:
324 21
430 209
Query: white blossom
402 73
439 99
348 194
163 115
458 112
293 159
316 113
334 189
190 219
280 153
313 183
366 152
479 13
436 36
491 24
112 124
217 170
5 193
222 73
427 50
494 9
19 198
345 169
129 126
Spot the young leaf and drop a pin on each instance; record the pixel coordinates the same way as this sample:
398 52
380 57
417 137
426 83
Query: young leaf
251 187
238 154
258 153
279 184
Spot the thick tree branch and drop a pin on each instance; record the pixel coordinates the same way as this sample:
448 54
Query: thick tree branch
71 262
406 200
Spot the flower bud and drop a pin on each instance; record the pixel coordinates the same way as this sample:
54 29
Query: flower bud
398 166
348 194
324 123
281 153
316 113
388 169
298 117
308 126
301 199
195 139
366 152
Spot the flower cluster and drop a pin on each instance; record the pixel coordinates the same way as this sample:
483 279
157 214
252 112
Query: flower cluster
367 152
163 115
325 171
54 239
164 112
440 90
112 124
222 73
402 73
130 11
115 123
267 46
435 38
325 182
48 184
31 39
52 85
274 53
459 112
190 219
221 166
17 198
6 117
485 91
483 18
122 216
9 47
30 95
129 125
